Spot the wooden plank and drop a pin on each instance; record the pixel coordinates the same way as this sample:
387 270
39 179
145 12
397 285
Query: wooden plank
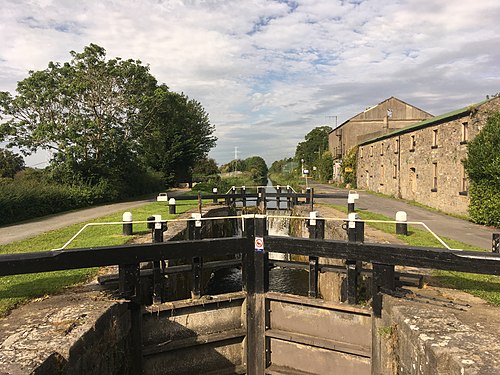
192 341
319 342
12 264
308 359
314 302
339 326
424 257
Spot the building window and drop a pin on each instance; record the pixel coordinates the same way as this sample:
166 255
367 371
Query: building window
396 146
465 133
434 138
434 177
395 171
382 149
464 182
412 143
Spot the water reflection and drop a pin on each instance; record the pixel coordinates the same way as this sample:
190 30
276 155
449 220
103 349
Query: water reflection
283 280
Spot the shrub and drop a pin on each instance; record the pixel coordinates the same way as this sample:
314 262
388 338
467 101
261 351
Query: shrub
483 168
349 161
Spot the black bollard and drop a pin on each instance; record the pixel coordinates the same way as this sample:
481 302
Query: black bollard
401 225
214 191
171 206
127 224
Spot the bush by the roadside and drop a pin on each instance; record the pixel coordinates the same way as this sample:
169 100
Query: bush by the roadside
284 179
484 205
27 198
483 168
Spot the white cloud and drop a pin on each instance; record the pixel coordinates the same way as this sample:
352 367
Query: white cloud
267 71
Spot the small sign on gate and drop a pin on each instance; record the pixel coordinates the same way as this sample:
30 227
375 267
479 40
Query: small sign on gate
259 244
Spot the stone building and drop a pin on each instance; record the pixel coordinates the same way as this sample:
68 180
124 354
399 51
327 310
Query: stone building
423 162
385 117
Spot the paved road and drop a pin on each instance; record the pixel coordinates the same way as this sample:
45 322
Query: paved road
22 231
441 224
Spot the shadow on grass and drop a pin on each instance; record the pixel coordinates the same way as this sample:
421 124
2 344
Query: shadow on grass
37 285
484 286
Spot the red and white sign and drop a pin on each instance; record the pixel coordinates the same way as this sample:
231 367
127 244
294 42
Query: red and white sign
259 244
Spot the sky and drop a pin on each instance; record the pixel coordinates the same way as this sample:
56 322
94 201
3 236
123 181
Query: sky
268 72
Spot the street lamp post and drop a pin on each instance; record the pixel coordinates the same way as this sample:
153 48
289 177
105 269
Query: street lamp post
302 168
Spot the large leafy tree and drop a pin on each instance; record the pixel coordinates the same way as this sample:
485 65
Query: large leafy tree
105 120
177 134
257 168
85 111
312 148
10 163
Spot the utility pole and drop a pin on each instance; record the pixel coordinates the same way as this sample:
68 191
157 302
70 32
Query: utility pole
235 157
330 117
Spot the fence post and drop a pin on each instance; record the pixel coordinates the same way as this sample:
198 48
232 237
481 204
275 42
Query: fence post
288 198
383 279
244 198
308 195
157 230
278 192
214 191
401 225
256 279
355 233
316 231
130 288
158 281
127 224
194 233
311 198
495 242
261 199
233 192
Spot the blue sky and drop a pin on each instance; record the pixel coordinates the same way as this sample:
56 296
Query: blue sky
268 72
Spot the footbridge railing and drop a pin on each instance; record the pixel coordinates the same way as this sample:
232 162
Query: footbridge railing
253 247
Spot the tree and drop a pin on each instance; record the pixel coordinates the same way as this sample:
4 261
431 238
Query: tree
177 134
483 168
87 112
349 167
205 169
10 163
105 121
325 166
310 150
257 168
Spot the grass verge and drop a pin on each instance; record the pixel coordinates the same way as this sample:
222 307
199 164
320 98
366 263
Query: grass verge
486 287
19 289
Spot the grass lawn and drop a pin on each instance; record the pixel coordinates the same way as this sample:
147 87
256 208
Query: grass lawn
484 286
18 289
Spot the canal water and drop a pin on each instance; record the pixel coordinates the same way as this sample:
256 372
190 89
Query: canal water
284 280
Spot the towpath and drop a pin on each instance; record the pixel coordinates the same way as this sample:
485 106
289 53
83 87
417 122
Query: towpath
33 227
441 224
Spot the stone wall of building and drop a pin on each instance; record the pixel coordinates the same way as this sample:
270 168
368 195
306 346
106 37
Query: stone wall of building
385 117
423 163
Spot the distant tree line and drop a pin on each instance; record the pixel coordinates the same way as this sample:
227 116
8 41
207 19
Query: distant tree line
108 124
255 166
312 154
